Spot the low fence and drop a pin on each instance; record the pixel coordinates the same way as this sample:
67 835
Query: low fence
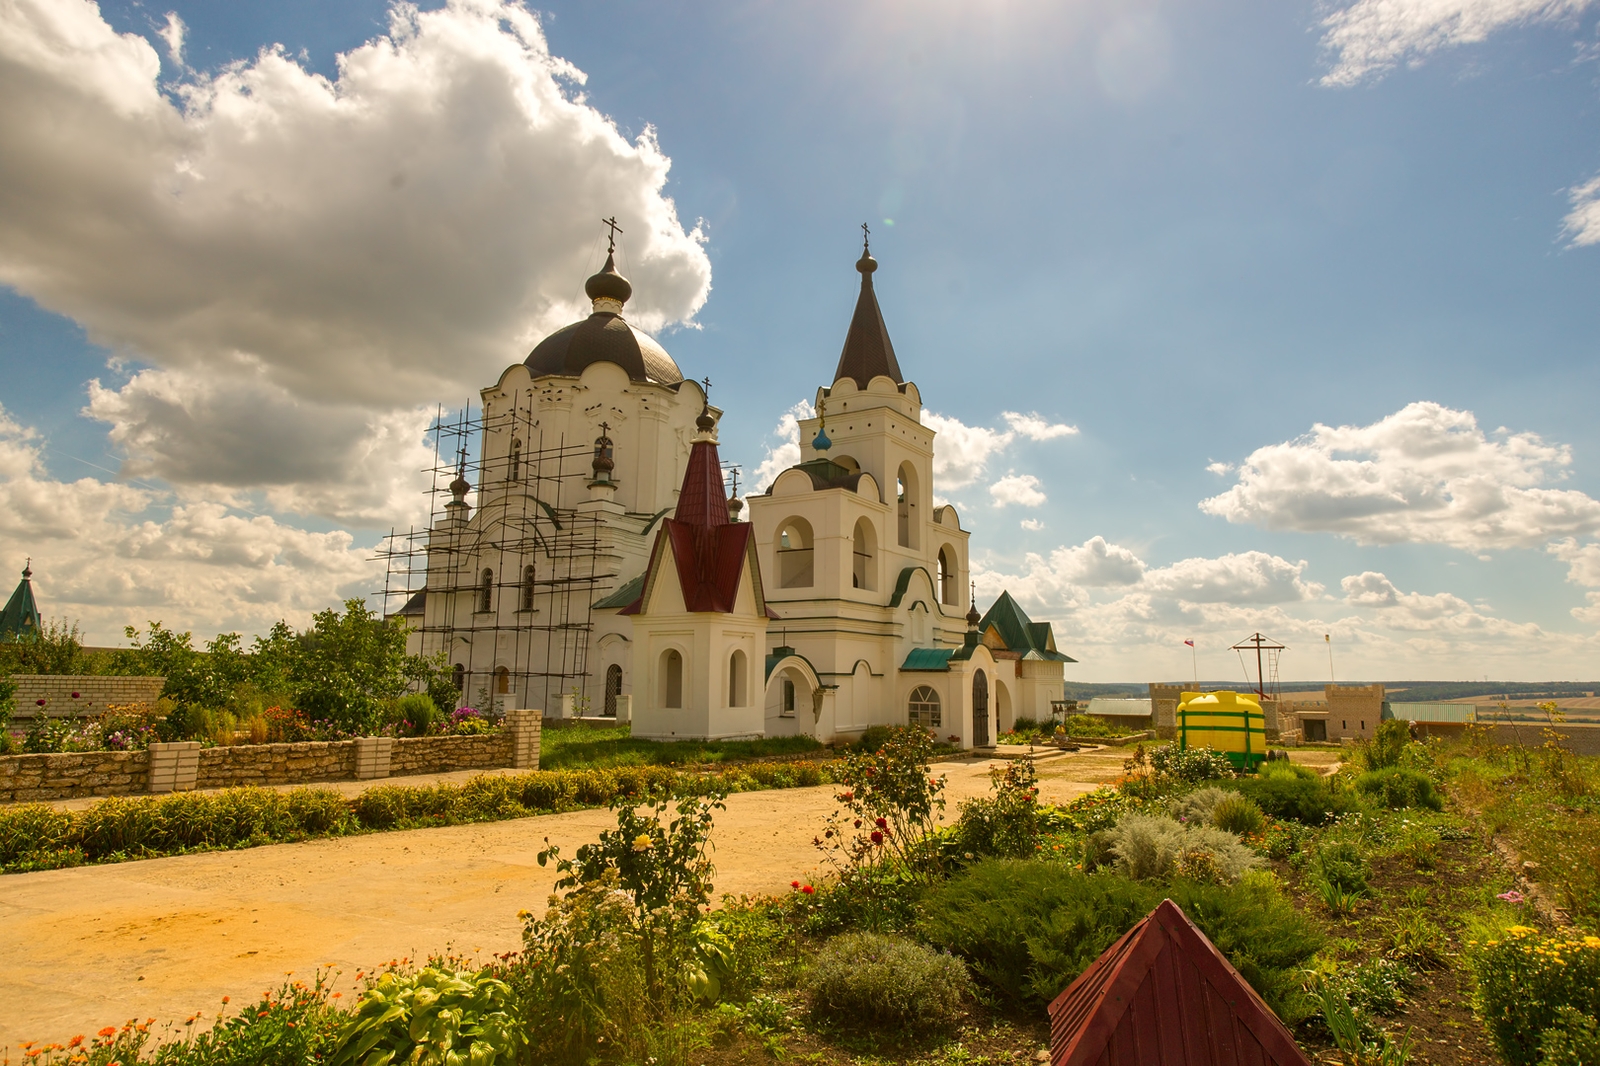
184 766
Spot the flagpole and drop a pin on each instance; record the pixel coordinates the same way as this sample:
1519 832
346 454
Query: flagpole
1328 639
1194 661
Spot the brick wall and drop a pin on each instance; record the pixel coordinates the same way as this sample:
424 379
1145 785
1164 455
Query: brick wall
94 694
1354 711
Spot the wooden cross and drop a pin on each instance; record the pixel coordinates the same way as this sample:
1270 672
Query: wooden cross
615 229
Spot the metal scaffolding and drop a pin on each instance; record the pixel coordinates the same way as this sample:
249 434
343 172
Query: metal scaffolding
508 593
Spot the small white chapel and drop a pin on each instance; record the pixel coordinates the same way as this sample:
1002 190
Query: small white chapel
634 585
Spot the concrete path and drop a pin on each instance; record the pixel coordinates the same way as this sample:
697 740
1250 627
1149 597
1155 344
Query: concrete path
163 938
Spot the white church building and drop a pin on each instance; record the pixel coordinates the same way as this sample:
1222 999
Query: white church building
628 585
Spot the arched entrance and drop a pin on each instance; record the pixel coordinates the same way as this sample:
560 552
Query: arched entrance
980 710
613 689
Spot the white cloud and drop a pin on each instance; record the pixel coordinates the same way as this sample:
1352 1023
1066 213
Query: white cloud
1245 577
961 452
1426 474
172 33
1583 560
1035 427
1019 489
1582 224
110 554
1220 469
1032 525
347 249
1370 37
787 452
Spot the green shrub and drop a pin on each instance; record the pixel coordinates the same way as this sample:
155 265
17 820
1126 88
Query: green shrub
295 1025
1297 793
1525 978
1156 849
867 981
1386 747
875 736
1377 986
1573 1041
1090 812
1004 824
1195 807
432 1015
1398 788
1341 864
1238 814
416 713
1028 929
1191 764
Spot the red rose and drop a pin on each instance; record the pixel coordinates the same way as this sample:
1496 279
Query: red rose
877 837
882 823
794 884
74 695
39 702
808 890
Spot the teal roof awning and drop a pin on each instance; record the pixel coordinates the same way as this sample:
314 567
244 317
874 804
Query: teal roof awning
928 659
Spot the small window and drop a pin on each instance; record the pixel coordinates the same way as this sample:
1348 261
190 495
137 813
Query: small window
515 466
924 708
458 677
672 679
736 679
947 576
527 588
486 592
502 681
788 698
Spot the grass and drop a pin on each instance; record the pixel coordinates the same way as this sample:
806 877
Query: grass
601 749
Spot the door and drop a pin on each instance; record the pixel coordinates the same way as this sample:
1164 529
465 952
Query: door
980 710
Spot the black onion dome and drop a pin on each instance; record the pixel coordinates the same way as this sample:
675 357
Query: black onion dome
604 337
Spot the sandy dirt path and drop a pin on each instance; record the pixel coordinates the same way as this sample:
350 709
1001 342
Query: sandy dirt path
164 938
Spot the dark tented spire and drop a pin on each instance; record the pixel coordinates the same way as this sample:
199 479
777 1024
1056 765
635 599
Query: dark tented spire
20 619
704 498
867 351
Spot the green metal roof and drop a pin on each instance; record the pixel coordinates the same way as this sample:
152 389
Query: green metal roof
623 596
929 659
1035 640
20 619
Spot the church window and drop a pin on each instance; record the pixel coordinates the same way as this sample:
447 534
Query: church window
948 577
516 460
671 678
486 591
788 698
458 678
906 503
527 588
980 710
795 555
863 574
502 680
613 689
924 708
737 681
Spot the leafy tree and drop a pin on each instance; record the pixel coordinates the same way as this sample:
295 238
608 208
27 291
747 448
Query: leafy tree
57 648
163 652
348 664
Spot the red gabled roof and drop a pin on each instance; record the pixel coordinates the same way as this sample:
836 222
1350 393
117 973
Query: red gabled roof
710 550
1163 995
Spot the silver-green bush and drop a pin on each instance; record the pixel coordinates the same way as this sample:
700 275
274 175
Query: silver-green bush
869 981
1146 848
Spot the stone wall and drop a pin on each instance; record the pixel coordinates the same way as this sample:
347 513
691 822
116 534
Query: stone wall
94 694
26 778
439 755
277 764
115 773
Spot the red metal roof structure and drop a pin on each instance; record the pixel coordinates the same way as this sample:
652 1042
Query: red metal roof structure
709 548
1163 995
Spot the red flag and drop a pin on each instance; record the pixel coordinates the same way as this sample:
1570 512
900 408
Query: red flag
1190 643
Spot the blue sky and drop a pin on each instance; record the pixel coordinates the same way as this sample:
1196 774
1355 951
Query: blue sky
1192 232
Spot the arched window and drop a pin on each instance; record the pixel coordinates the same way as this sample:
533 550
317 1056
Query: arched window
980 710
515 466
787 707
502 680
864 571
527 588
671 678
458 678
486 591
738 679
923 708
906 502
947 576
795 554
613 689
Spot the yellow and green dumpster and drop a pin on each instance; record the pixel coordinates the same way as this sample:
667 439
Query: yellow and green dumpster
1229 722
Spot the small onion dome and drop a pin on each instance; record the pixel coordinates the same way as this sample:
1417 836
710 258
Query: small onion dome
866 264
604 337
735 508
821 442
603 464
973 617
608 284
705 423
460 487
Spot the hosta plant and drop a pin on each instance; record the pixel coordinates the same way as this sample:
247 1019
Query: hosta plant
434 1017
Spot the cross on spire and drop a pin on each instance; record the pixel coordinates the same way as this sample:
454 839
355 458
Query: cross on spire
865 234
611 223
605 427
706 381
